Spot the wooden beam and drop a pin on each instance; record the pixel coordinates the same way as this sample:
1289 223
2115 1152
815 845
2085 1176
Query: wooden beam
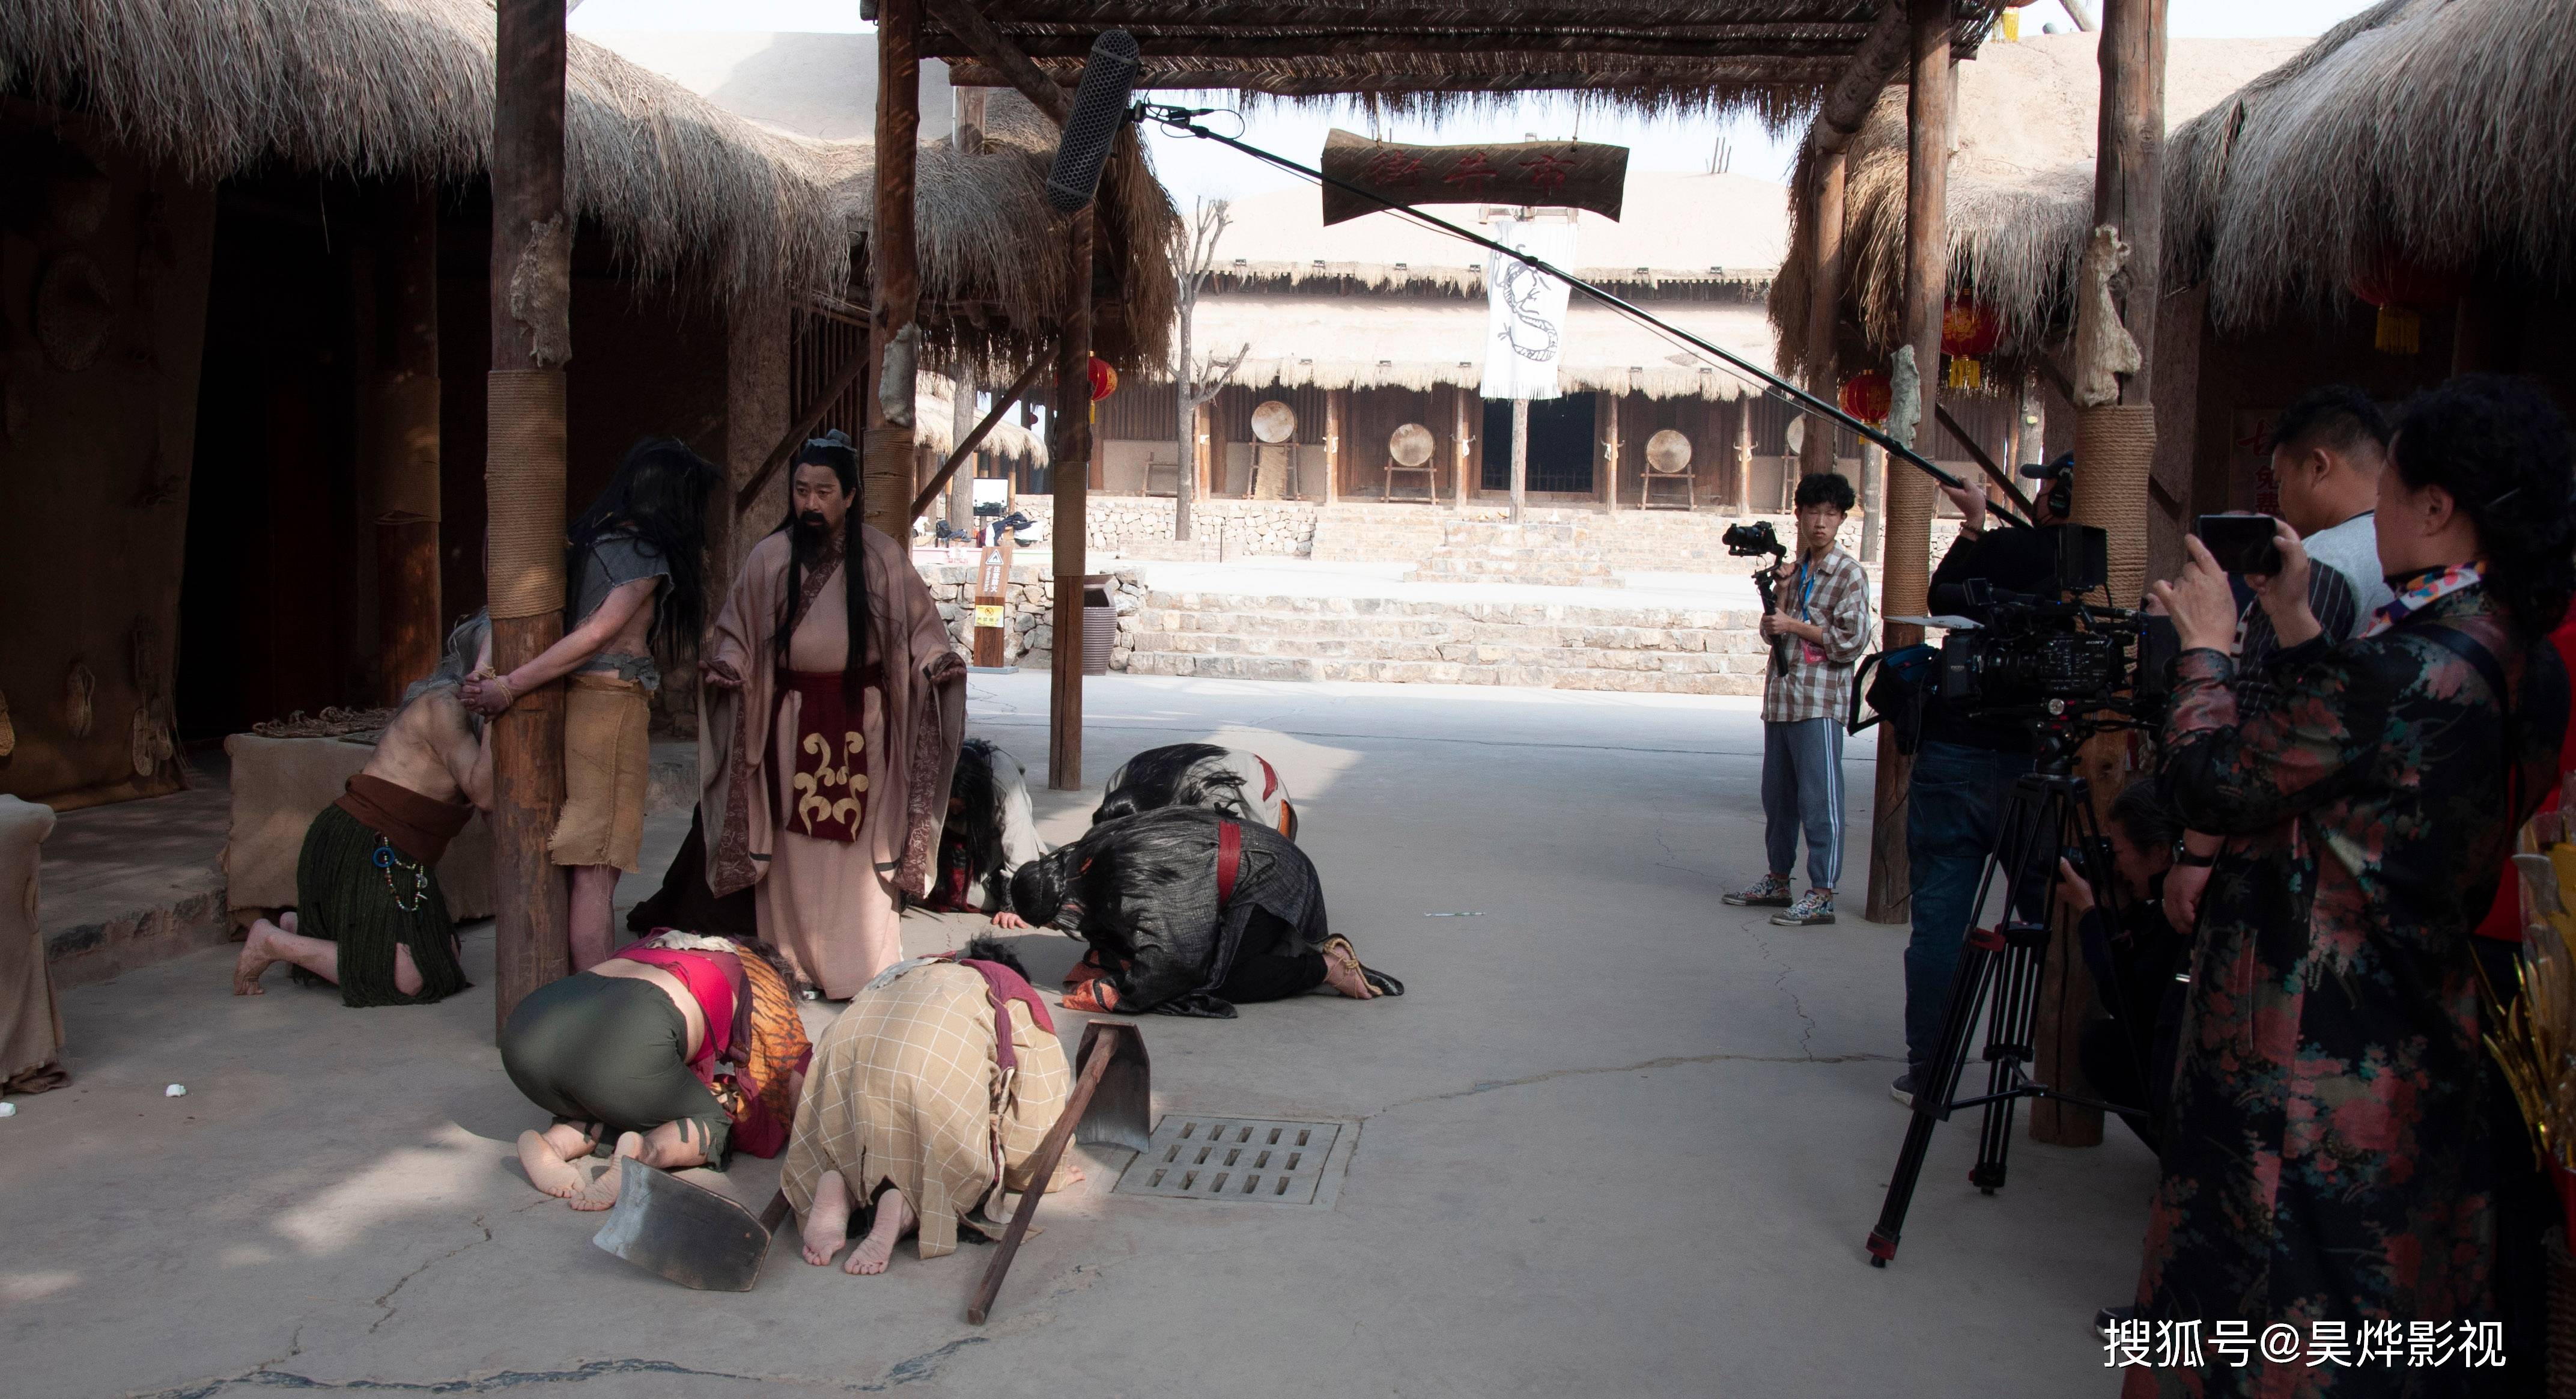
1069 406
1333 77
1337 426
1880 53
894 263
966 445
977 36
1824 226
1908 541
531 330
2130 150
1520 457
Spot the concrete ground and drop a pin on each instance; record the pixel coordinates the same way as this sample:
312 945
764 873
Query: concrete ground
1618 1139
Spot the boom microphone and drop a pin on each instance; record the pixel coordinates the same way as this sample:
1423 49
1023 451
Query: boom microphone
1099 109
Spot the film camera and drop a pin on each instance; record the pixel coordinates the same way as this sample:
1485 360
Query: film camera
2058 659
1757 540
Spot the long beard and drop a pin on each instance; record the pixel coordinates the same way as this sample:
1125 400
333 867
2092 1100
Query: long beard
809 536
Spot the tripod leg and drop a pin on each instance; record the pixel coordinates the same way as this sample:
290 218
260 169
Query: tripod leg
1932 1093
2055 804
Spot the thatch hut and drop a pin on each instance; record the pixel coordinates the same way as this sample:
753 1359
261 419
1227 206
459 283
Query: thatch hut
2021 189
243 272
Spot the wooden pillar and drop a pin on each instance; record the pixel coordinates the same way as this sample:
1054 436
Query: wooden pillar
894 264
1742 452
1824 303
968 105
410 617
1908 492
1203 449
1520 457
1337 417
1070 408
1605 421
2129 149
1458 443
1873 501
524 481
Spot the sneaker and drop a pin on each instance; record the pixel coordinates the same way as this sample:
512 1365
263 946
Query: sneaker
1772 892
1902 1090
1813 907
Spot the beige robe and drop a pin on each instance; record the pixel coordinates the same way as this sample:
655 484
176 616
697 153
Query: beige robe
31 1022
833 908
906 1089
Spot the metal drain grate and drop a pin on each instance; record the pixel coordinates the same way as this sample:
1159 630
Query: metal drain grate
1239 1160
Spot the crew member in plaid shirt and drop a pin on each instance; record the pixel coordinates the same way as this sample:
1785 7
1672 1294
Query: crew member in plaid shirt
1818 629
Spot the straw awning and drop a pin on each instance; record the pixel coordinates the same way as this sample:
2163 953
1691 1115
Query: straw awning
1334 342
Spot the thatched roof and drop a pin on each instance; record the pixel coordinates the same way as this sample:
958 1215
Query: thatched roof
935 426
1676 229
678 185
2021 182
1773 57
2429 131
1341 342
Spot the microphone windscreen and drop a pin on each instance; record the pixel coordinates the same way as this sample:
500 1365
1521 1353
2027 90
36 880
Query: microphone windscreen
1099 108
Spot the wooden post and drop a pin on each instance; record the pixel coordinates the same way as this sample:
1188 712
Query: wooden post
963 415
410 617
1873 500
1610 443
894 262
1070 408
1458 443
1520 457
1336 420
1824 302
1908 492
2112 490
1743 454
524 482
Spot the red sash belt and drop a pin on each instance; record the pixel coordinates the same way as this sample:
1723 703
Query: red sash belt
1229 859
823 794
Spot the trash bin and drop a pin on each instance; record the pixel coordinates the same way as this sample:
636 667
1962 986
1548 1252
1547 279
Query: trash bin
1099 624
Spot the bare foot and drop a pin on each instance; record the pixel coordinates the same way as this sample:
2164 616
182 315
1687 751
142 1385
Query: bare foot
255 959
547 1170
894 1220
602 1192
827 1225
1344 976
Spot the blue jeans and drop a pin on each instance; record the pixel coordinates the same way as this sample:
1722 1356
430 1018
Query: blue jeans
1956 799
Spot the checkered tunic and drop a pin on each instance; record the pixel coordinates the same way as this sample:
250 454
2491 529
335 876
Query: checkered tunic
905 1089
1838 601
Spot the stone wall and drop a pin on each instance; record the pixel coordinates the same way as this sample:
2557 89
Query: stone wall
1141 527
1029 636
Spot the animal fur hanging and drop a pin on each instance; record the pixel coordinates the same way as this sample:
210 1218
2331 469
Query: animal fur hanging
2104 350
80 688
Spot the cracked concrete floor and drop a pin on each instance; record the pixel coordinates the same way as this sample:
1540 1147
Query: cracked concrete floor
1618 1137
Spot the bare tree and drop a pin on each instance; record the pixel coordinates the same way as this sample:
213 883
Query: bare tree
1195 383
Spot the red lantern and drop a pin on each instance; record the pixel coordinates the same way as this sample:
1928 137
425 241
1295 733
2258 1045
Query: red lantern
1970 330
2403 291
1866 396
1104 380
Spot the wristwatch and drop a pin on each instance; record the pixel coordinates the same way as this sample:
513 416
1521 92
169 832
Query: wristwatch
2182 856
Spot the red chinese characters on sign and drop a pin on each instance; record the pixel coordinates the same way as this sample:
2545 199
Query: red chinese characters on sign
1548 173
1472 174
1394 169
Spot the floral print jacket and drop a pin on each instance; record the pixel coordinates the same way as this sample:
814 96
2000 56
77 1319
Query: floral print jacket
2328 1161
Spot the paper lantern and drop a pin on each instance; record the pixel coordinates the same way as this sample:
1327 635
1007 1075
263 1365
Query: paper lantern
1104 379
1970 330
2403 291
1866 396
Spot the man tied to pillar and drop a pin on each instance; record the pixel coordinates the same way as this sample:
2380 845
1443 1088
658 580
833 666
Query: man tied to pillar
633 568
370 917
832 713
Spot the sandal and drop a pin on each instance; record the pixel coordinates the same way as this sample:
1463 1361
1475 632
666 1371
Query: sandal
1377 981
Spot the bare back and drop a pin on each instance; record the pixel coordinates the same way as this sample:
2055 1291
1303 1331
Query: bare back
430 749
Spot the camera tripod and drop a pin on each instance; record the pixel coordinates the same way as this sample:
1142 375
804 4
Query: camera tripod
1998 977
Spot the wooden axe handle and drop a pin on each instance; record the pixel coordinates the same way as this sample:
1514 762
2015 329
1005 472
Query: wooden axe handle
773 1212
1041 1175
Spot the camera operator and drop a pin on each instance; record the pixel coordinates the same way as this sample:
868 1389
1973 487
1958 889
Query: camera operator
1965 767
2134 958
2329 1158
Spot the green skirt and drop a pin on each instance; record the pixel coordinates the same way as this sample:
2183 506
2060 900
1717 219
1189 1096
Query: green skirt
346 895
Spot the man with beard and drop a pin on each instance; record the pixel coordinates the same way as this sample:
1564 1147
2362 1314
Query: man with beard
835 704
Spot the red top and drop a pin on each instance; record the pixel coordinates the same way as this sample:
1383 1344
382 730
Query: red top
712 988
2504 914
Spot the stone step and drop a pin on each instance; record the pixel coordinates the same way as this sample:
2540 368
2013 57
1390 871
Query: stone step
1228 666
1270 632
